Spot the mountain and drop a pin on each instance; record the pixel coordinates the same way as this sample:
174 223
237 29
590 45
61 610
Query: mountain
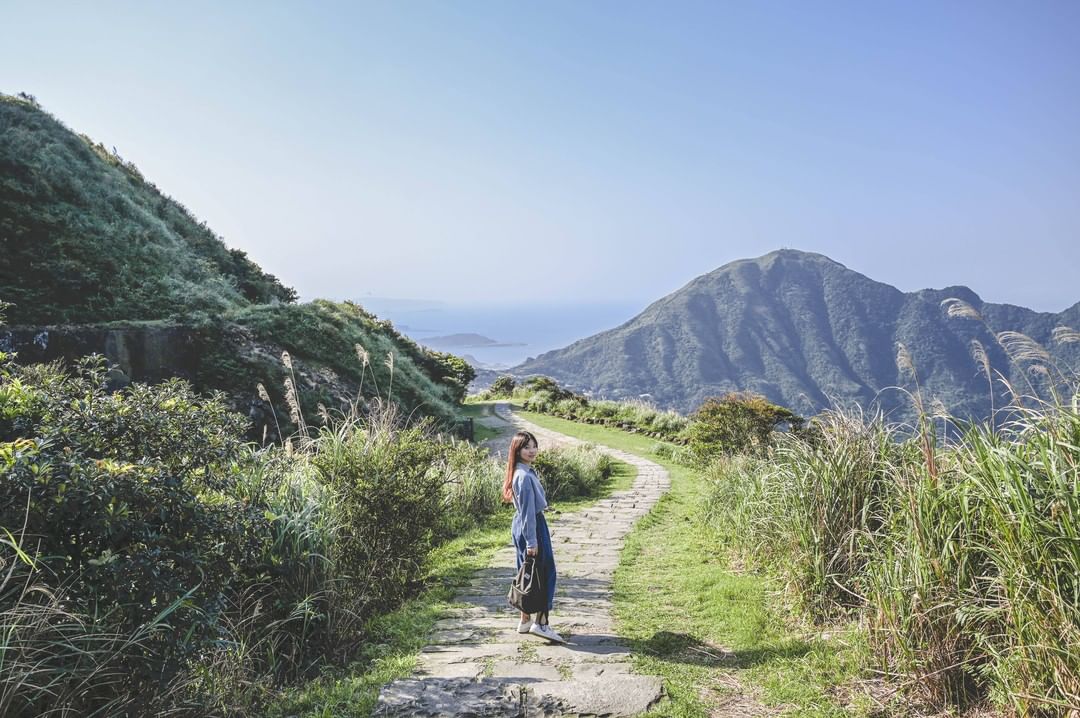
806 332
95 258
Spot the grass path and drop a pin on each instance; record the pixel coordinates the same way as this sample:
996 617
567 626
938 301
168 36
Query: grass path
720 640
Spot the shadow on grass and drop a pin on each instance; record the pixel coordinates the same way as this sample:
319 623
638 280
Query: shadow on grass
683 648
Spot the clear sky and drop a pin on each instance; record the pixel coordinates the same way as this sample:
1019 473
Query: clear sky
555 152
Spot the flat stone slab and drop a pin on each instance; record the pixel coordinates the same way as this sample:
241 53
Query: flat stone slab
612 695
476 664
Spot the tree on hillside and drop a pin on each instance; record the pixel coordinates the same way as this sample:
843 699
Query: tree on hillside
503 387
737 423
453 371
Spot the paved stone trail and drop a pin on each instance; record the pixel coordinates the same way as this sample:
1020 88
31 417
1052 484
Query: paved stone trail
479 665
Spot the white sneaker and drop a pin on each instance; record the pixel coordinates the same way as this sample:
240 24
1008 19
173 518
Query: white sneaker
546 631
524 626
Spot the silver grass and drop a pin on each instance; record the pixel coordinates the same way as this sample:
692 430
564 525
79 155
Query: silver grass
1065 335
904 361
978 353
958 308
1021 347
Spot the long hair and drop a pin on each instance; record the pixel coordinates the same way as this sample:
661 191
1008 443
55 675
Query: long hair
513 456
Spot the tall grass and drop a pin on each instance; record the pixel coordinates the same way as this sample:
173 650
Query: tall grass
976 588
812 511
57 661
959 550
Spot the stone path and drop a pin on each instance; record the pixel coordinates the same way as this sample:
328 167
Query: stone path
479 665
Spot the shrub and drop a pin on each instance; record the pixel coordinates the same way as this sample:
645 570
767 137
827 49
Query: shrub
388 483
736 423
503 387
573 472
677 454
146 503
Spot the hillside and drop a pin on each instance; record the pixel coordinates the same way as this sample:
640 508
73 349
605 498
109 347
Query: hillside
100 260
806 332
84 237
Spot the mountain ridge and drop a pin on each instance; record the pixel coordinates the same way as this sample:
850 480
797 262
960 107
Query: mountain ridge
805 331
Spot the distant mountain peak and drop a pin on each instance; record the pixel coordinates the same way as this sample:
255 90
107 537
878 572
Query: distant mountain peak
802 329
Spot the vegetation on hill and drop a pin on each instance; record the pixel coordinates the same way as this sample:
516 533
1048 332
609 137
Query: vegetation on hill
731 424
338 352
84 237
806 333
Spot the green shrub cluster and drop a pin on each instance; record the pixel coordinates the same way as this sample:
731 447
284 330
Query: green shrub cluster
573 472
961 557
144 516
737 423
543 395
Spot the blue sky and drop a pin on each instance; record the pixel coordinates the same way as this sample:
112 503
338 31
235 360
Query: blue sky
588 152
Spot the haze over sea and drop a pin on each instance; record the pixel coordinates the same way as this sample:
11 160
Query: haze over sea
531 329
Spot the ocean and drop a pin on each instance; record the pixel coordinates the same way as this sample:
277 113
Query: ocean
527 331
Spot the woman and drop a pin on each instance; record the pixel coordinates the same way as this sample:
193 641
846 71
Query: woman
529 529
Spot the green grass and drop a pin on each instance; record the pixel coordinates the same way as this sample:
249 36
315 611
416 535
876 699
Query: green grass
396 638
707 630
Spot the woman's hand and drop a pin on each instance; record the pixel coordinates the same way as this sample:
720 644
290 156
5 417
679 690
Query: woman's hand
531 551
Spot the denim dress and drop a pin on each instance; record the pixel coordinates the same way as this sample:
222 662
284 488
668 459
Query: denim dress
529 528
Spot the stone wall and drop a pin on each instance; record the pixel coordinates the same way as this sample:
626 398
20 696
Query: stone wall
138 353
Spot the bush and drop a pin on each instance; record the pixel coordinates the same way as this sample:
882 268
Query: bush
388 481
502 388
677 454
737 423
165 567
146 503
573 472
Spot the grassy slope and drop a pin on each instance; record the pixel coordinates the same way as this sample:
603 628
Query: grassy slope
398 637
707 630
86 238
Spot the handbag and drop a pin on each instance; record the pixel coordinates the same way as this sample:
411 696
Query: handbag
527 589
